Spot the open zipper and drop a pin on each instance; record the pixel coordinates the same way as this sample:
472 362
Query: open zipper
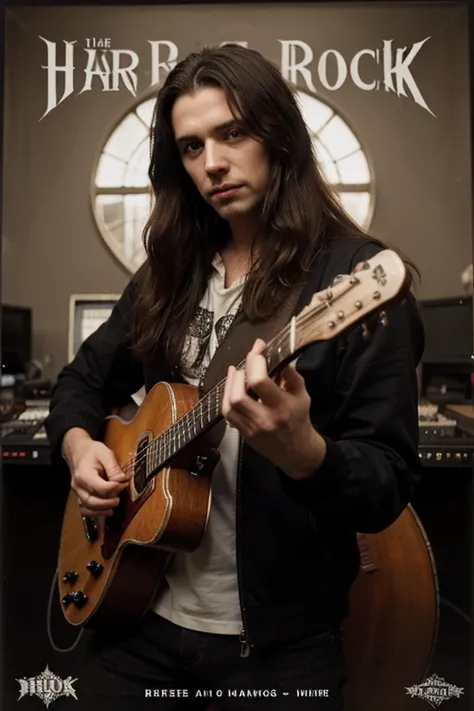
243 637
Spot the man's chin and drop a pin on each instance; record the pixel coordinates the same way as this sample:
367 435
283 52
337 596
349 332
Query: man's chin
232 212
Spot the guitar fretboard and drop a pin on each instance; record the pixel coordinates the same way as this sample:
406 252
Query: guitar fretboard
302 330
208 411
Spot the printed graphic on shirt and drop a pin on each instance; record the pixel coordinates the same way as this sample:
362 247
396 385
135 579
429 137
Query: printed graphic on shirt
197 340
222 326
194 360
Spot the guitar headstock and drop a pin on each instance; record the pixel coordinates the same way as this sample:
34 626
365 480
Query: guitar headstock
351 297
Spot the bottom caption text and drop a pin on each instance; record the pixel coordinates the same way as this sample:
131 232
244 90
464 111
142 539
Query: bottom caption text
242 693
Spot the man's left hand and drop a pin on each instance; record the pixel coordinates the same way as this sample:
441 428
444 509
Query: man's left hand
276 424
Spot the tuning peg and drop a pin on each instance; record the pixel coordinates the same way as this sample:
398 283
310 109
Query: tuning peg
365 333
383 318
361 266
337 279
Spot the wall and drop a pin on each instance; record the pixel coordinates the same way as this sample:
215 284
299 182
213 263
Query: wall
52 247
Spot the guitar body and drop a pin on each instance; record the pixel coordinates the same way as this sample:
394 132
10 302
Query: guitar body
390 634
170 512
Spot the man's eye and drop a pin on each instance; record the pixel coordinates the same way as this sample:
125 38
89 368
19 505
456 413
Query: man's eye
192 147
235 133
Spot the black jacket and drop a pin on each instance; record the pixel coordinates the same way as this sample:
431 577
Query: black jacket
296 540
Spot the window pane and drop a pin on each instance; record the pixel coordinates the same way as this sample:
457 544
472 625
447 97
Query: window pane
110 172
315 113
137 210
326 163
126 137
145 111
354 169
338 138
124 218
109 208
136 173
357 205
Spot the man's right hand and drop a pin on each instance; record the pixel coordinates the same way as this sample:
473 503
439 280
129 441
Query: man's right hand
96 476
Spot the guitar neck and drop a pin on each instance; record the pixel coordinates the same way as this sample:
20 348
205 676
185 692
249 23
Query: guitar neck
208 411
347 301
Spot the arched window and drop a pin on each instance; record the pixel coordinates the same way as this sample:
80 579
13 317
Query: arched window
122 198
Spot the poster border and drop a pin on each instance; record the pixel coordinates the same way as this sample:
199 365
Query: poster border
6 6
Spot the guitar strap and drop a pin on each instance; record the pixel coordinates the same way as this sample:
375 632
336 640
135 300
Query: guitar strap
237 342
242 334
241 337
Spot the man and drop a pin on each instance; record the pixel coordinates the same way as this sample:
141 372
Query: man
241 217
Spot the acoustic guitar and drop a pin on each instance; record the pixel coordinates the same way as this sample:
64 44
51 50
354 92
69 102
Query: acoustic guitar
109 570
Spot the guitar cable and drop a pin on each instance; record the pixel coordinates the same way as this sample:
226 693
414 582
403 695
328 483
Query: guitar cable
455 608
48 619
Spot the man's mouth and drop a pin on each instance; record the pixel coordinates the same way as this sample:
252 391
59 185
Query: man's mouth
226 191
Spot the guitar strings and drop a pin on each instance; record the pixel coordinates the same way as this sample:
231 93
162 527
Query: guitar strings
277 342
189 419
171 433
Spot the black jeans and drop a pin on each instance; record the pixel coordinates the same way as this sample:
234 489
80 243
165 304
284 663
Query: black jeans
162 666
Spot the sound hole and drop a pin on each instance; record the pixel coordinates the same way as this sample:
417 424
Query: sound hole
141 464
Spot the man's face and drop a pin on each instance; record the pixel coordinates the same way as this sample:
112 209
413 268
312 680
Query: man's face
229 168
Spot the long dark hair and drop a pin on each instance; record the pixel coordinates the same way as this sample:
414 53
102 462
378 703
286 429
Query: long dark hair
299 215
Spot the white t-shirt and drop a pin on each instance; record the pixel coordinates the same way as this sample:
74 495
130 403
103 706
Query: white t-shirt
200 590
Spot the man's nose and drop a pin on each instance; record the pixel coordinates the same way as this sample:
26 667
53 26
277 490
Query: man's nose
215 160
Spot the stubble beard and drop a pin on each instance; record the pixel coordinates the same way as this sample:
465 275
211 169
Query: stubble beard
237 209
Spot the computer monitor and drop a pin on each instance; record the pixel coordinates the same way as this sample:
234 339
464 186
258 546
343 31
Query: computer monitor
86 313
448 331
16 330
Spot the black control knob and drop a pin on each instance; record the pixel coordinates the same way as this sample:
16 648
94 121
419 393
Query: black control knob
94 568
67 599
70 576
79 598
